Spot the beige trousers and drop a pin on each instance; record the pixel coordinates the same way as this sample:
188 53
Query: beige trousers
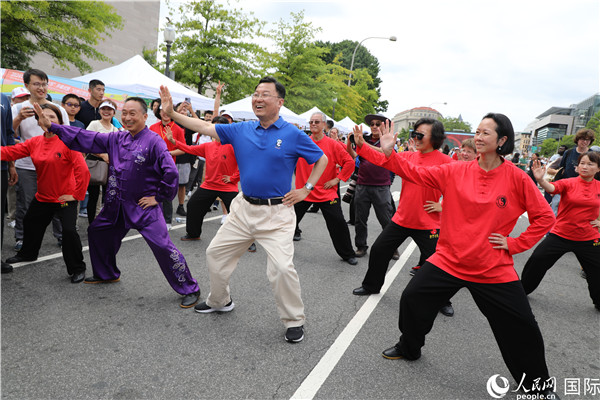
273 228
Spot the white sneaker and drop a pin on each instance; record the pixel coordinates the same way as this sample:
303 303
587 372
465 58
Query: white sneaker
169 226
12 224
223 218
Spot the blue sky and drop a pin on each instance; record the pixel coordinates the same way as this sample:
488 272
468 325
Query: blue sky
517 57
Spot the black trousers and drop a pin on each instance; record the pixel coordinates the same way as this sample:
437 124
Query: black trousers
554 247
38 217
392 236
199 204
336 224
93 196
505 306
3 203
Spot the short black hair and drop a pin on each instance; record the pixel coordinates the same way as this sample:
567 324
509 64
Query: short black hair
330 123
154 101
66 97
95 82
157 112
438 134
37 72
140 101
503 128
220 120
278 86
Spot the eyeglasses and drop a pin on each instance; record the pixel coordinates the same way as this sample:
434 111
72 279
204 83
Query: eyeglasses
417 135
76 105
314 122
38 85
262 96
375 123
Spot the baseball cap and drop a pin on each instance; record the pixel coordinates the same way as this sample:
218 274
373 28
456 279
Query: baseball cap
228 114
20 92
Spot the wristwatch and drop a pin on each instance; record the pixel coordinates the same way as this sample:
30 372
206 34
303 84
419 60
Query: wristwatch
309 186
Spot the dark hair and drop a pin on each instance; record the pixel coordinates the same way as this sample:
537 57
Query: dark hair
584 134
208 112
49 106
330 124
39 73
278 86
66 98
537 155
503 128
157 112
592 155
220 120
154 101
141 102
96 82
437 131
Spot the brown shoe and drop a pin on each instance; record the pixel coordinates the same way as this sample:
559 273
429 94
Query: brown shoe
188 238
95 279
360 252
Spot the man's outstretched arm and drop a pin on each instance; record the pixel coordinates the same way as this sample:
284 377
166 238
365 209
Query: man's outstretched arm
194 124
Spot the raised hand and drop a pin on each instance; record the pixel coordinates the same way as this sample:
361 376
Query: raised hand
220 87
538 170
359 140
166 100
388 138
169 134
43 121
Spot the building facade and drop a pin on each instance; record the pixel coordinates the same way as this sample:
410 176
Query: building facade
406 119
140 21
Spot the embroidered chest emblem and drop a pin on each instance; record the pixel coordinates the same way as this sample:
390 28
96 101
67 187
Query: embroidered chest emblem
501 201
138 157
278 144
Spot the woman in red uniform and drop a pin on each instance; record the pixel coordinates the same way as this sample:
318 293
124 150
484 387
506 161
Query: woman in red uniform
222 177
62 179
178 133
483 200
577 226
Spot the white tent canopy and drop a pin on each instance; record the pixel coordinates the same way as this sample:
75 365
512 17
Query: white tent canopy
242 110
306 115
137 76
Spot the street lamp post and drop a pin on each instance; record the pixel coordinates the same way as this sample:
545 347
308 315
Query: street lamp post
333 115
391 38
169 35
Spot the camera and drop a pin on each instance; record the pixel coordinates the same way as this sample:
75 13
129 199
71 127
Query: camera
366 136
349 195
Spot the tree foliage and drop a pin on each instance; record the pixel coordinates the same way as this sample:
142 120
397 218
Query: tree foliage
548 148
594 124
66 30
342 53
455 124
214 44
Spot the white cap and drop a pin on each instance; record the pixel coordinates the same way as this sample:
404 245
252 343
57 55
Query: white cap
228 114
107 104
20 92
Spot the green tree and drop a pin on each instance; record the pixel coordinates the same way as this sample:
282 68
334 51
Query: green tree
65 30
150 57
455 124
594 124
298 65
215 44
342 51
567 140
549 147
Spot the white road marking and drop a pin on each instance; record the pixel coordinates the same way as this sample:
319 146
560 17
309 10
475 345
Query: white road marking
313 382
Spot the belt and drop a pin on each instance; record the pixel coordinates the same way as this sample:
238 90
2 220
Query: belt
263 202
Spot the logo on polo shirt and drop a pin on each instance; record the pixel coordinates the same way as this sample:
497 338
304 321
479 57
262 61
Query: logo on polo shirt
278 143
501 201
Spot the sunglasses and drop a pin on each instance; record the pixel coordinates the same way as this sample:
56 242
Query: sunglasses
314 122
417 135
375 123
72 104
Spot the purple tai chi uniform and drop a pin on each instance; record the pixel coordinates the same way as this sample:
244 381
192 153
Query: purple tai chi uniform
139 166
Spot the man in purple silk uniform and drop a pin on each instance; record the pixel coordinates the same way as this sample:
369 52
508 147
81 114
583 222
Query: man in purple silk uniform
141 175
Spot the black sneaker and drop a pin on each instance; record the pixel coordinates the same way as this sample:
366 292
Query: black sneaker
181 211
205 308
295 334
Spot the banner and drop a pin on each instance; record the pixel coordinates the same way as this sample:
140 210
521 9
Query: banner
58 87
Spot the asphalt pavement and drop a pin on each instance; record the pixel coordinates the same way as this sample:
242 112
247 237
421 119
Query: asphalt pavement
131 340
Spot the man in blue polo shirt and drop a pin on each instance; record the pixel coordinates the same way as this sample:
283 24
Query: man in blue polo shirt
266 151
